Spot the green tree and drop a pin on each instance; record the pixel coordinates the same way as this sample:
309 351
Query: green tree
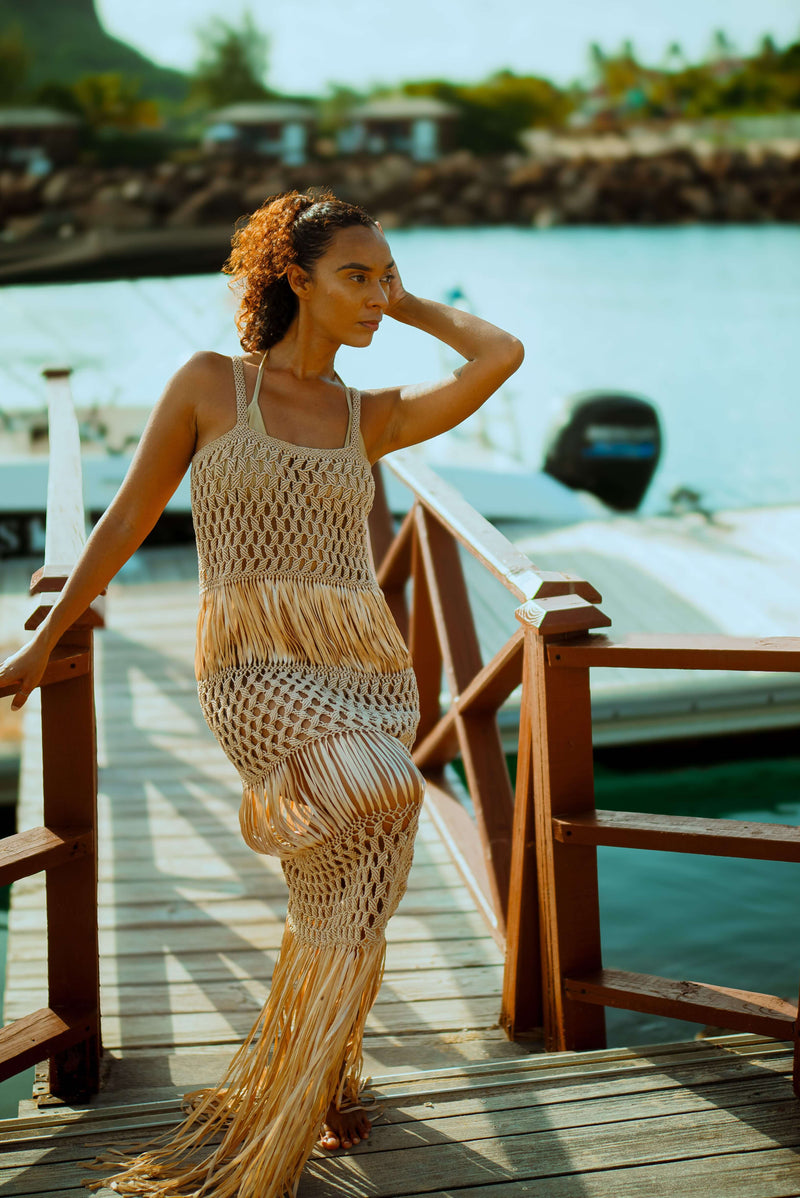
15 60
232 65
674 58
722 48
493 114
111 101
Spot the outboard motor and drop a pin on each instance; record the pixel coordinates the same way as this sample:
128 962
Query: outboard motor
608 444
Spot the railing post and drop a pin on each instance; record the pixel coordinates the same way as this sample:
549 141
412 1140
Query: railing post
556 757
423 643
69 764
522 1009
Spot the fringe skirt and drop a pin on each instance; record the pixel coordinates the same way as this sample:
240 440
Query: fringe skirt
339 803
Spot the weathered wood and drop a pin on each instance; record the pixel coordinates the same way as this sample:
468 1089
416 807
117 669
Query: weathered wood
563 614
381 531
747 1175
796 1068
65 527
41 848
563 785
602 1124
69 775
460 834
487 1115
93 617
487 691
229 1027
437 1155
522 1003
173 963
449 602
679 651
66 661
490 688
391 553
50 577
682 834
424 646
180 912
517 573
43 1033
478 735
696 1001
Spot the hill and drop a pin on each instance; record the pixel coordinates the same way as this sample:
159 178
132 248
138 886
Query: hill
66 40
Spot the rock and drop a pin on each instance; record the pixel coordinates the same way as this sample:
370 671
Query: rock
257 192
47 223
219 202
697 200
389 221
546 217
579 203
108 210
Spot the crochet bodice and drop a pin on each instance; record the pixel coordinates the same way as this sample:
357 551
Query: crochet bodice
266 507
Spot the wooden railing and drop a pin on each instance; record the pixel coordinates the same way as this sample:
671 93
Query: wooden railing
441 634
67 1030
529 858
531 861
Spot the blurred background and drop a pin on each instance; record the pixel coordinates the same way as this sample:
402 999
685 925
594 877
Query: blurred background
617 184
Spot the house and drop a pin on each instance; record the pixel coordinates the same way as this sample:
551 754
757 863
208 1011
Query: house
418 126
273 129
37 138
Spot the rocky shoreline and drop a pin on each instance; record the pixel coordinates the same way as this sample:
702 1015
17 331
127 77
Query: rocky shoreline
177 218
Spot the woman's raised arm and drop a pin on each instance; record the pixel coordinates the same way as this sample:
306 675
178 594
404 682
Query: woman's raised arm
161 459
395 417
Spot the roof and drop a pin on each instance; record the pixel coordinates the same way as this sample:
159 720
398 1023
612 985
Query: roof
403 108
266 111
37 117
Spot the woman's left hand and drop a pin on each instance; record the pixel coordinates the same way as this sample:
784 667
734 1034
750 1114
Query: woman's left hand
396 293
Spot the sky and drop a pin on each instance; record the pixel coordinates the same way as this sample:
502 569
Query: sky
361 42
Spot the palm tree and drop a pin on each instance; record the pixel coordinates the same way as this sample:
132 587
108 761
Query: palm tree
674 58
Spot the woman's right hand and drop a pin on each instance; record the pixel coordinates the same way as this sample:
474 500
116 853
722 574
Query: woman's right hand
24 669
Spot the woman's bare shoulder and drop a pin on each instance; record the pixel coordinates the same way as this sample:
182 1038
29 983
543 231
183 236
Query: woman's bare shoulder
207 378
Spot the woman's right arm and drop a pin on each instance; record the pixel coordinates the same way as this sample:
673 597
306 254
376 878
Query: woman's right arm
161 459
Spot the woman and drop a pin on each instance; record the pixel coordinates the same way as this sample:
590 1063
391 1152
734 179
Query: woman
302 674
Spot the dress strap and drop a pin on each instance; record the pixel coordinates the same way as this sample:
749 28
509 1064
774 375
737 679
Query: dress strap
241 391
354 427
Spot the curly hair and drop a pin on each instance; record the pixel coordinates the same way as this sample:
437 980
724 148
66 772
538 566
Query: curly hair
294 227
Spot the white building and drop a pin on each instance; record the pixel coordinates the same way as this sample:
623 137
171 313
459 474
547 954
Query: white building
417 126
274 129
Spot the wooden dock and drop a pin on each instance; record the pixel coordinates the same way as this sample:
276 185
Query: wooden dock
190 924
714 1119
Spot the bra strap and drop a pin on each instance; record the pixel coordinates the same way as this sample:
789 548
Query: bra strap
254 400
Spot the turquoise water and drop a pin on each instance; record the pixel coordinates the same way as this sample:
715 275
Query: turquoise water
703 320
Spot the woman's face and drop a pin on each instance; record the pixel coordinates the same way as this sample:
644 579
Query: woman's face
347 288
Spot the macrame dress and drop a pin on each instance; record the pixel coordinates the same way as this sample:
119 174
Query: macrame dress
305 680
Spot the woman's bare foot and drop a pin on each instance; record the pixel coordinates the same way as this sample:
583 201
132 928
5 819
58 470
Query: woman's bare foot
343 1129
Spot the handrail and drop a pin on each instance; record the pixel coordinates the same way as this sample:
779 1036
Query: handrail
531 863
508 564
568 829
67 1031
440 631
